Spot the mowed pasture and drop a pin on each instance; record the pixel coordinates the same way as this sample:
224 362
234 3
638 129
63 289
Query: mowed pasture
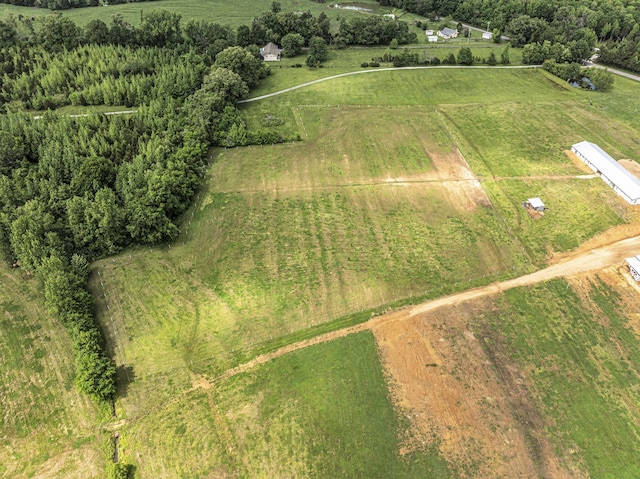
48 428
319 412
235 13
287 72
290 237
375 206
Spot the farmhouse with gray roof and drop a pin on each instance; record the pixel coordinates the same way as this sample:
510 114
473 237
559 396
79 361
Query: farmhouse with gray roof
447 33
270 52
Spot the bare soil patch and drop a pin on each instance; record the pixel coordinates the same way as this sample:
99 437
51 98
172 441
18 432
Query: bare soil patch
631 166
577 161
464 396
453 172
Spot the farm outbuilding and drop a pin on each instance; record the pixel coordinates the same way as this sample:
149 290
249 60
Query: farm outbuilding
535 203
429 32
270 52
432 38
622 181
487 35
447 33
634 267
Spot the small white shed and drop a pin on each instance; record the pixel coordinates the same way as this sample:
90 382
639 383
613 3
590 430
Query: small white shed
429 32
536 204
634 267
432 38
487 35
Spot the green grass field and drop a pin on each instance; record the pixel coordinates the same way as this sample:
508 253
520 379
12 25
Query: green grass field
233 13
48 428
519 139
320 412
290 237
286 239
578 350
284 74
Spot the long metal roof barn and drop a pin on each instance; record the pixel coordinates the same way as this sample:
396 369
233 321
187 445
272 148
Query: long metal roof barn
614 174
634 266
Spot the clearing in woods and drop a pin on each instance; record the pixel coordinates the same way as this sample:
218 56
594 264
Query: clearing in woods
377 205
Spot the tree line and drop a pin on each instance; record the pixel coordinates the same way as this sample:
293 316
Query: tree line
76 189
549 20
66 4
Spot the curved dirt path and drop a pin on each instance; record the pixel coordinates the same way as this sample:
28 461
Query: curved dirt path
594 260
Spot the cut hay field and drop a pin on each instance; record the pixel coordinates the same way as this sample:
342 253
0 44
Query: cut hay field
308 414
375 206
48 429
233 13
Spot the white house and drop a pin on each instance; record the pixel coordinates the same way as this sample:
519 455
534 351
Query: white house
487 35
634 267
432 38
270 52
612 173
447 33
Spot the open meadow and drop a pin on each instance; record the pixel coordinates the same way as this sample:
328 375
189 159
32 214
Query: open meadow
308 414
48 428
233 13
406 185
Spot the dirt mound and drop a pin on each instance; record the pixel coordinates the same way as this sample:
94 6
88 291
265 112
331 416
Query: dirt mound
632 166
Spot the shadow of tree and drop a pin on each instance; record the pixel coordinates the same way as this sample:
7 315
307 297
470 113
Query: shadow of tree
124 377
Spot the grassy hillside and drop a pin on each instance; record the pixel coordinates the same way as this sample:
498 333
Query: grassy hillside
320 412
48 428
577 345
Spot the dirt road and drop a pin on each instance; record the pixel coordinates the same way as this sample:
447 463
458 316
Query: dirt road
593 260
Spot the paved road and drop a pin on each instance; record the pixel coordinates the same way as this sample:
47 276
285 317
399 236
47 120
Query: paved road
631 76
359 72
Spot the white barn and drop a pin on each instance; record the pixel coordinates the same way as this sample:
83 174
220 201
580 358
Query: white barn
270 52
634 267
613 173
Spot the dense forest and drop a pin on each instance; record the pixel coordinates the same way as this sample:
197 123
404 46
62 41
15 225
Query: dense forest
76 189
577 25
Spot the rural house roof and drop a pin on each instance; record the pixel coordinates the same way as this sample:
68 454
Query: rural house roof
536 203
609 168
447 32
271 49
